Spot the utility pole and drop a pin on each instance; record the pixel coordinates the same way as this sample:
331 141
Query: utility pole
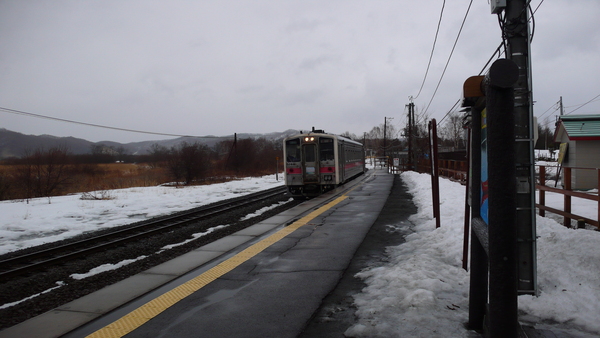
385 134
561 107
411 122
516 31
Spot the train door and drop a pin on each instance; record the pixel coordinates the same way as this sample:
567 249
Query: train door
342 161
310 163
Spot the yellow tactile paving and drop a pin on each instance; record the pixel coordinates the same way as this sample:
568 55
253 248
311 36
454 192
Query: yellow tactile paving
144 313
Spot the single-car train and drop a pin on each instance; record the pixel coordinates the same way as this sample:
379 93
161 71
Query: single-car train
316 162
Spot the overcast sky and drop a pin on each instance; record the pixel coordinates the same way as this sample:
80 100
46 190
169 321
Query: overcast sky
258 66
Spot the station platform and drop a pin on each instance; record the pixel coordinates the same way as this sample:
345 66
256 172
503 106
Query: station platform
264 281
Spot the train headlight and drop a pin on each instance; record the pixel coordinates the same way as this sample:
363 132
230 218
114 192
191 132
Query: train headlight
309 139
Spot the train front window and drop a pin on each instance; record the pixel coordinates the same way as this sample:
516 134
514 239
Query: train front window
326 149
309 153
292 150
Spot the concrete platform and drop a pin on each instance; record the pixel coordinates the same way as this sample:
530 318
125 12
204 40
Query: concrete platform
272 293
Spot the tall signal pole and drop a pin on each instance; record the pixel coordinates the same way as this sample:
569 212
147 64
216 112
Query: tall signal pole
516 31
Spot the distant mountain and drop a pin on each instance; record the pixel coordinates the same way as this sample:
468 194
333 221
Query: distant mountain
13 144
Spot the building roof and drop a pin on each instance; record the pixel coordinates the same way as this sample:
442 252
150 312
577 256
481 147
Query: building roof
578 127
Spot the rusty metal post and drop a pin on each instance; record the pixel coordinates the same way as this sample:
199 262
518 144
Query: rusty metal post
431 172
467 209
435 177
567 200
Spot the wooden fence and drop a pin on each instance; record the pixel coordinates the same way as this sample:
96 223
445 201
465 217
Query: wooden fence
457 171
568 193
452 169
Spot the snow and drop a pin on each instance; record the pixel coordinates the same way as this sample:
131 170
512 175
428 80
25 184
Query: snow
421 291
105 267
7 305
30 224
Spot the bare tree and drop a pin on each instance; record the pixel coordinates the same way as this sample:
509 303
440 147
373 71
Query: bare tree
188 162
453 130
159 155
375 138
5 185
44 172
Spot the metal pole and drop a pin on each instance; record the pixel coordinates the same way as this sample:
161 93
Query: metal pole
410 132
435 171
384 132
502 193
516 29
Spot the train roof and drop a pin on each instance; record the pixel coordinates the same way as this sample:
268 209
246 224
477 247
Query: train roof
322 133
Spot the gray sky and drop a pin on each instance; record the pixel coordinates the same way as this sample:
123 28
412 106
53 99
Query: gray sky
257 66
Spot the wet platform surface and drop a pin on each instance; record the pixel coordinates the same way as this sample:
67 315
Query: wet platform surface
282 270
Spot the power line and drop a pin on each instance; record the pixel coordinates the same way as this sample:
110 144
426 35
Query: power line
547 110
492 57
18 112
450 56
432 49
538 6
449 111
582 105
499 52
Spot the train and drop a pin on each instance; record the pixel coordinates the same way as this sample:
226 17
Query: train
316 162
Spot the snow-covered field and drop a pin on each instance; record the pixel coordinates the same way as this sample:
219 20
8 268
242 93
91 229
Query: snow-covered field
422 291
29 224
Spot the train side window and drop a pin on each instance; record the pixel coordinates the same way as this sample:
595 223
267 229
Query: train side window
326 149
292 150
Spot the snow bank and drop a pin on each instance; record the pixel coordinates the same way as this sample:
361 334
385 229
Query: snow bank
423 291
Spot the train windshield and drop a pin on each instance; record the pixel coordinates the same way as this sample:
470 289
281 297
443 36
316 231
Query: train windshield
292 150
326 149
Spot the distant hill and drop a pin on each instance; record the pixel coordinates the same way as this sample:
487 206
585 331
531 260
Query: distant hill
13 144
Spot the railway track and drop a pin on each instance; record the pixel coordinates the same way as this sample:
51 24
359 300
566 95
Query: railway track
40 260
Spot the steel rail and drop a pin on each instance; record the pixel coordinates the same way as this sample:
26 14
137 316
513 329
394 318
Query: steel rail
39 259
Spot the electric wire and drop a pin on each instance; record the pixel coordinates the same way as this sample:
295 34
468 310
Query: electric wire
19 112
481 72
583 104
538 6
448 113
577 105
492 57
432 49
555 106
450 56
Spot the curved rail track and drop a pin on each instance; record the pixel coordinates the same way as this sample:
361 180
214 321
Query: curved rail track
27 263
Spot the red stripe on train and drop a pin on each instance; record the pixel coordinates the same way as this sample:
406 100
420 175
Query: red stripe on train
353 165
